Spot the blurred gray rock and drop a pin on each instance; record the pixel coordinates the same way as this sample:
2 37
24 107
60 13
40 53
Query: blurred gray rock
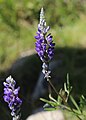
47 115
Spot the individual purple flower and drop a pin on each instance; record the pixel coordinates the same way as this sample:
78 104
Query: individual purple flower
11 97
44 44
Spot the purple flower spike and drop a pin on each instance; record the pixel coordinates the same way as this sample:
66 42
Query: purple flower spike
44 43
11 96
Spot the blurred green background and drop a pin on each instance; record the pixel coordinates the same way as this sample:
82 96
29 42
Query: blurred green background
18 26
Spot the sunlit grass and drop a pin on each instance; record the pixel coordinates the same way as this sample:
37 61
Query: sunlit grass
73 35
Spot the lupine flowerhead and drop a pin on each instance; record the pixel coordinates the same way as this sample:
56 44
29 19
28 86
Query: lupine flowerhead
11 96
44 43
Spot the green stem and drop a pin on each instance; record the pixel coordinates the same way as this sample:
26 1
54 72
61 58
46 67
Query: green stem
75 104
67 108
76 114
56 90
67 105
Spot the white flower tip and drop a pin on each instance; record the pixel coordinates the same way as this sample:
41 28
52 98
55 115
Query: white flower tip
42 10
8 79
42 13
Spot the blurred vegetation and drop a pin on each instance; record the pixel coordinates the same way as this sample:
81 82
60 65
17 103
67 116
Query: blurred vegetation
18 26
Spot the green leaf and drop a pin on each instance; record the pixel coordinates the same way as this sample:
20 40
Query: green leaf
49 102
75 104
59 99
50 109
51 98
82 102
